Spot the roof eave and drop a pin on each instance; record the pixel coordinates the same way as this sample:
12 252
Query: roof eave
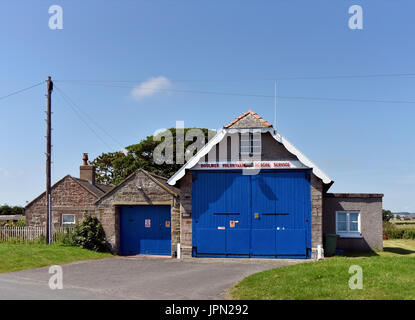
275 134
148 174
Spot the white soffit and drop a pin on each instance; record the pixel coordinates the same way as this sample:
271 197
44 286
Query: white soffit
195 159
222 133
292 149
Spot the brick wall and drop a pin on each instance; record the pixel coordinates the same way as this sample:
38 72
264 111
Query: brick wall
68 197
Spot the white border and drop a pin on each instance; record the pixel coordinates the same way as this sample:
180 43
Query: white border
223 132
238 165
350 234
68 224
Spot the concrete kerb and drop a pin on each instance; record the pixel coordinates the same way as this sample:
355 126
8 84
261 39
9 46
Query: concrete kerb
278 262
247 260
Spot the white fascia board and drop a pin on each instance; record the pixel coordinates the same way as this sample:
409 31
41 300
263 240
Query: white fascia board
253 130
291 148
222 133
195 159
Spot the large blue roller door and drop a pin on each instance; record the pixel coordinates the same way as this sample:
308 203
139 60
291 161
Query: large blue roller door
262 215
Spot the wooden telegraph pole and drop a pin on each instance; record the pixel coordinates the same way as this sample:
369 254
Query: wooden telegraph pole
49 89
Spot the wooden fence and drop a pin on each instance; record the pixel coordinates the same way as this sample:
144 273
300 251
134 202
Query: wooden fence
31 234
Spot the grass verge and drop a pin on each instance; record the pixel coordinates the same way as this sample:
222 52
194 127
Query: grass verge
388 274
15 257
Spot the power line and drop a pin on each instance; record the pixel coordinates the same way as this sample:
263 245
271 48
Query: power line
21 90
74 108
259 95
380 75
348 100
80 110
321 77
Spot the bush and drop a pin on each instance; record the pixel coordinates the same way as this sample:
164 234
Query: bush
388 226
65 237
409 234
41 239
21 222
393 233
388 230
89 234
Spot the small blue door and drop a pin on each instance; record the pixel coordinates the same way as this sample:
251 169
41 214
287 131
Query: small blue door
145 230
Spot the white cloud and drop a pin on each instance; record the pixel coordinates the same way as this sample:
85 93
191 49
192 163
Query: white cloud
5 173
10 174
150 87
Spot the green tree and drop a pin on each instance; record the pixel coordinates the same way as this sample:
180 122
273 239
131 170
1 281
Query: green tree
386 215
8 210
113 167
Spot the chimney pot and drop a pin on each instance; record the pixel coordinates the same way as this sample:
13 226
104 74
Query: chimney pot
85 159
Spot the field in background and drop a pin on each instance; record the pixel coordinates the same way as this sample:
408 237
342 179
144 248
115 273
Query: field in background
404 224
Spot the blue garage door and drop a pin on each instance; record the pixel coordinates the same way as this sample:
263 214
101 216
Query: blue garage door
263 215
145 230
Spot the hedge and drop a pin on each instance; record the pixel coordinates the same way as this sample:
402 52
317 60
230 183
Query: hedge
400 234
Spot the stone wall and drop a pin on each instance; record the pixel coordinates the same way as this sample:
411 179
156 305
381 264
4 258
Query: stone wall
186 214
273 150
370 208
68 197
228 149
316 185
139 189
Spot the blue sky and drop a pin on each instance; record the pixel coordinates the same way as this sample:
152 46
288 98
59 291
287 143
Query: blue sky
216 46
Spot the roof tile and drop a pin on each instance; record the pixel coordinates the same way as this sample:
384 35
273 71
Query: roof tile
263 122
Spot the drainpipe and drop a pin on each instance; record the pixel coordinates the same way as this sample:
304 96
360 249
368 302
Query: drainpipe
319 255
178 251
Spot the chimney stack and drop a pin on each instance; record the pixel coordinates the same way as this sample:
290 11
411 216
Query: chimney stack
87 172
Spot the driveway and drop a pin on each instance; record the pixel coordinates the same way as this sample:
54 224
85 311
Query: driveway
136 278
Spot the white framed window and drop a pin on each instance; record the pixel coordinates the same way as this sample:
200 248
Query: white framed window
250 144
348 224
68 220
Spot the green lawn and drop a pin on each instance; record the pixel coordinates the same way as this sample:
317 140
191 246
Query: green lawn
398 247
15 257
388 274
